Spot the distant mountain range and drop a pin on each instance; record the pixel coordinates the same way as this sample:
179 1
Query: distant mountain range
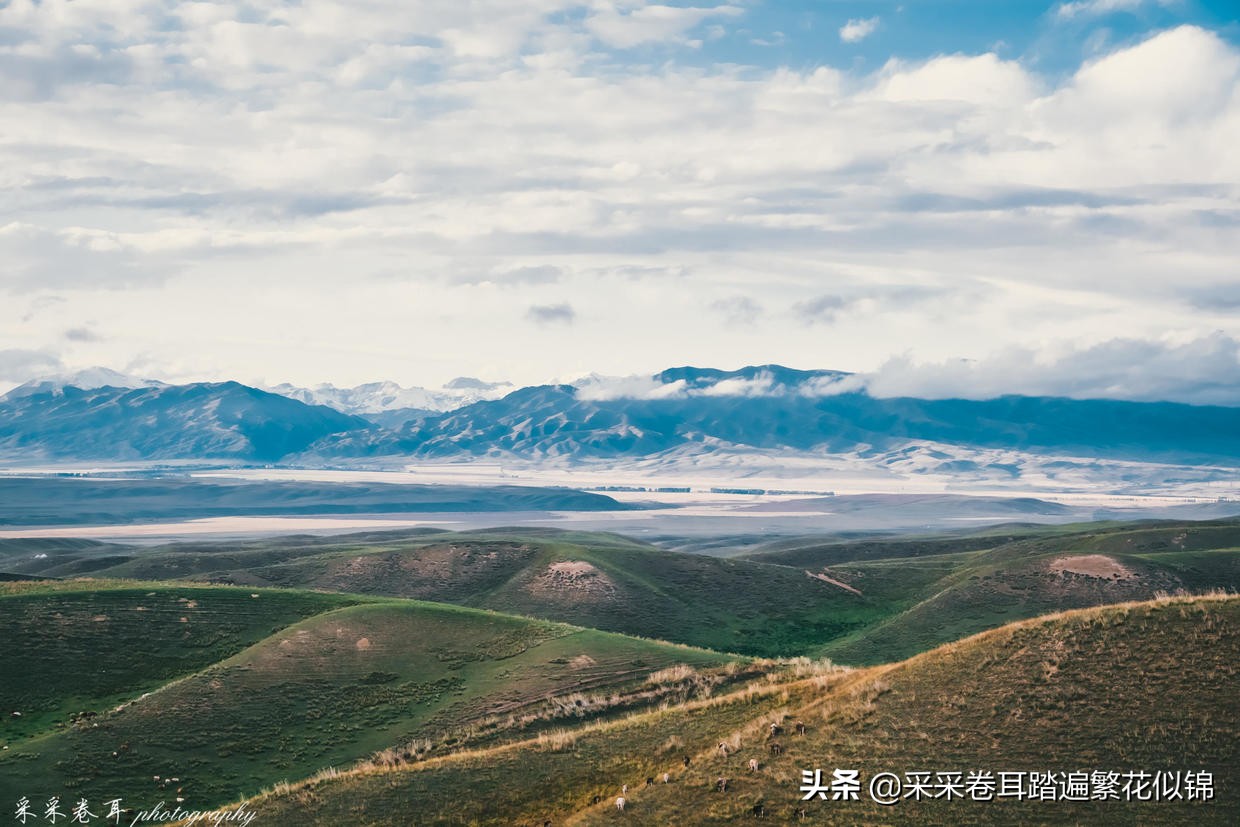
686 409
223 420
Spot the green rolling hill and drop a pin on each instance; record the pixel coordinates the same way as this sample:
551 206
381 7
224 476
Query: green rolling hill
598 580
1051 694
229 690
859 602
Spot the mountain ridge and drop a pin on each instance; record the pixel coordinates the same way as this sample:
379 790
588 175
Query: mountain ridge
704 410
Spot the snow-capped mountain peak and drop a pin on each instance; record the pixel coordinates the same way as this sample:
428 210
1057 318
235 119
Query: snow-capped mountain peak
85 379
380 397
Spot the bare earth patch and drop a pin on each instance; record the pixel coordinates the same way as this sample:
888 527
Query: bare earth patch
573 579
1092 565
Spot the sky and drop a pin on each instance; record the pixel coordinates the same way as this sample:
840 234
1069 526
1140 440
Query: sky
952 198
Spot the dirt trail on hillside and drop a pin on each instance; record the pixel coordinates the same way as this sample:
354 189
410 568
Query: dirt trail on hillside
824 578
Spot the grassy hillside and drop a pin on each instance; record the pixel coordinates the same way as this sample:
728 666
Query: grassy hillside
860 602
86 646
598 580
1147 686
328 690
815 552
1029 577
1131 537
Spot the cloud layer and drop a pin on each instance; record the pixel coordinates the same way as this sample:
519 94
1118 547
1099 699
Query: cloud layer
354 191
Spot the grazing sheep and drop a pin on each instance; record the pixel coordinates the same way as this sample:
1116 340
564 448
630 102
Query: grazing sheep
776 748
596 800
800 728
620 804
649 780
723 748
624 789
667 776
753 764
776 729
721 784
799 813
688 761
759 809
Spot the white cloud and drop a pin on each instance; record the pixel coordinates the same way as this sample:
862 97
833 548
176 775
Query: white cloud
1094 8
611 23
596 388
603 388
32 256
19 365
460 163
509 276
854 31
1200 371
738 310
982 80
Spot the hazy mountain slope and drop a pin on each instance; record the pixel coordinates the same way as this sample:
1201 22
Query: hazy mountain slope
560 420
221 420
767 407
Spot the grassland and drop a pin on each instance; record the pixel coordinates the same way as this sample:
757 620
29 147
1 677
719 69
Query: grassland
1028 577
86 646
1143 686
862 602
317 667
598 580
228 690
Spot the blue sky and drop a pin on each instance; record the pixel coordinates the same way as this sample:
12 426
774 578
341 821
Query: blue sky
1053 37
951 197
1033 31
